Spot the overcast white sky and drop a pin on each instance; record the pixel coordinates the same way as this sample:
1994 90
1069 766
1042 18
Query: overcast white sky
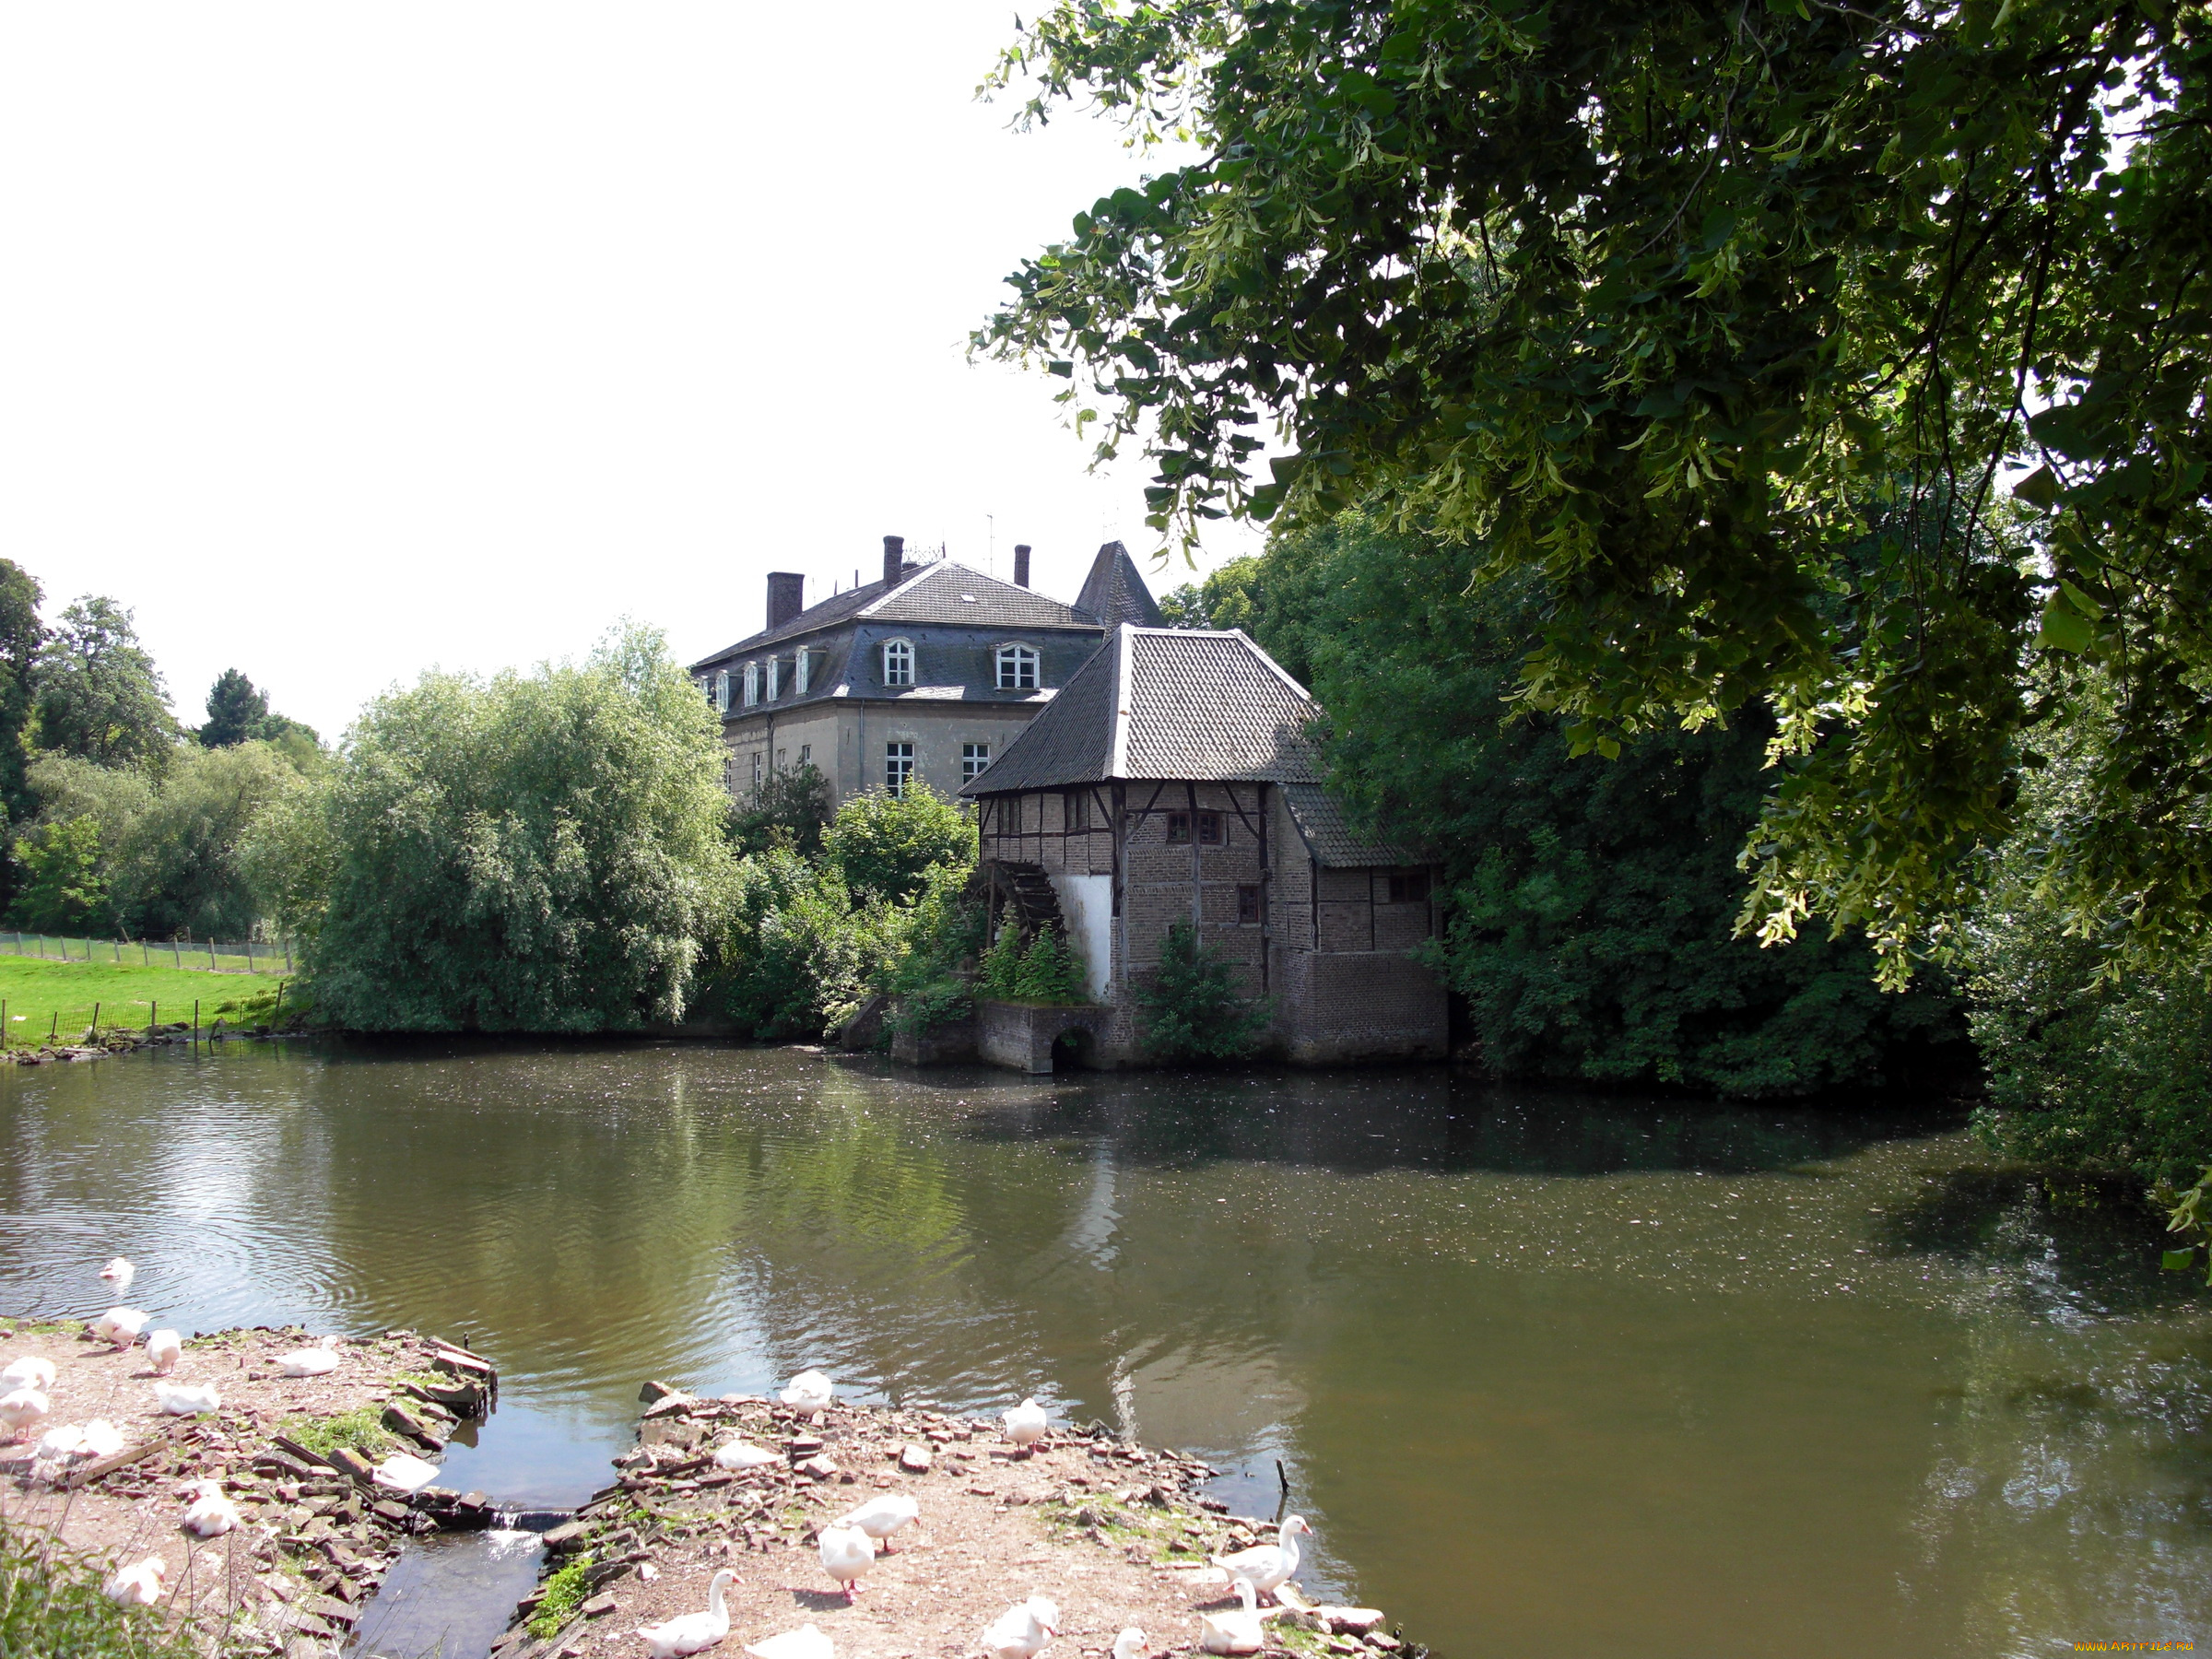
338 342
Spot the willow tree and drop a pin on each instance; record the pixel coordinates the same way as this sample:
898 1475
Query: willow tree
1842 358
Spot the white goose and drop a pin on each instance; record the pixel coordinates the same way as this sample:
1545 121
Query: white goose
210 1514
103 1438
317 1361
805 1642
163 1349
1267 1565
1022 1631
880 1517
118 1273
181 1399
847 1553
120 1326
23 1410
742 1454
1237 1632
1026 1424
1129 1643
809 1391
692 1632
30 1371
139 1587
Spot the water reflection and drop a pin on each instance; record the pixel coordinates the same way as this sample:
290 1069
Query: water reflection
1551 1374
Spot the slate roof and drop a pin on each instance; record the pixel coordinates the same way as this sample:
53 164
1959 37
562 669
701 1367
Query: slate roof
1115 592
930 593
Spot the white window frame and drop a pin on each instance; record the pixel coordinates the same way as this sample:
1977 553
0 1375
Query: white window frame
756 771
897 659
804 663
752 683
719 695
1010 663
775 678
975 760
898 767
805 754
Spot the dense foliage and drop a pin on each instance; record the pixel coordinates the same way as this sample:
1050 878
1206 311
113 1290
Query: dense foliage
2093 1060
790 808
1726 324
21 635
882 908
888 845
146 855
1192 1009
538 851
1589 902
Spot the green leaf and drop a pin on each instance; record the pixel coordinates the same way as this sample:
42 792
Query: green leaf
2064 629
2177 1261
2038 489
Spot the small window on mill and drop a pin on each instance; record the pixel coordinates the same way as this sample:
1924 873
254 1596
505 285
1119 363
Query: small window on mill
1248 905
1179 829
1076 813
1409 887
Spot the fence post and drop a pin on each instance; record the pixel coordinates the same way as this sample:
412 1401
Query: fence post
287 956
96 1022
153 1017
211 954
177 952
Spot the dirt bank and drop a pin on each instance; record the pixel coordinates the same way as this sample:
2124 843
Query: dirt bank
1114 1532
292 1452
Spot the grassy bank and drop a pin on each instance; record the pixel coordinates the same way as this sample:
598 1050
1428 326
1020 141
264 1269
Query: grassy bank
60 997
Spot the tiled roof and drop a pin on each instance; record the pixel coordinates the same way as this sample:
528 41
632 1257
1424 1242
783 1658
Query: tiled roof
930 593
1332 842
1115 592
1165 702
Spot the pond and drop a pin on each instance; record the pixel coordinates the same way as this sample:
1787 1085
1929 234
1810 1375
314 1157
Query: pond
1549 1374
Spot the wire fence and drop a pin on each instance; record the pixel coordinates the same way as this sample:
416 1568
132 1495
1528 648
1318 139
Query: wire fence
237 956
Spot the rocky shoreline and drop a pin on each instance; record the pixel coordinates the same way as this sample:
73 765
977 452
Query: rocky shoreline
297 1456
1115 1533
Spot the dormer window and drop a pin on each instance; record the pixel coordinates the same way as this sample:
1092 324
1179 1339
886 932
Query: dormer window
898 663
1016 668
719 695
803 662
775 678
752 683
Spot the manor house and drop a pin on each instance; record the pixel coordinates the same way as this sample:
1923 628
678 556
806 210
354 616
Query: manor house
924 677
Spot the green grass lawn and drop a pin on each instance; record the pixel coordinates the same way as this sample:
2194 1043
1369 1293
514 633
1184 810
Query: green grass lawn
44 996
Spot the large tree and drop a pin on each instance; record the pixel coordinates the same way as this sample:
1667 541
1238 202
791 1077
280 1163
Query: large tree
538 851
1731 323
100 696
236 709
21 635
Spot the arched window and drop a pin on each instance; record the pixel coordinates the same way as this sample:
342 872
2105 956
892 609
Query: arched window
720 695
898 663
1016 668
752 683
775 678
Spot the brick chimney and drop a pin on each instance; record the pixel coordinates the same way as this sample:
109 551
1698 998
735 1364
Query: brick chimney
786 596
894 558
1021 564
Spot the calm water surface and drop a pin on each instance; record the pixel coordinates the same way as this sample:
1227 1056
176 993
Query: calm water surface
1551 1375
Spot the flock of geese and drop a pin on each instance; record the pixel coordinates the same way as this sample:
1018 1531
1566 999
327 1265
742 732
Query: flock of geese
26 1402
850 1545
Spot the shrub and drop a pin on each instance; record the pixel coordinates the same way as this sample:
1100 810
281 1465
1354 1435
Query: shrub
789 809
564 1592
54 1602
65 884
1051 970
886 844
999 971
361 1430
1192 1008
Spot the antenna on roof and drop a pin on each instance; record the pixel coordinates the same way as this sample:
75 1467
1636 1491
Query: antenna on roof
990 545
